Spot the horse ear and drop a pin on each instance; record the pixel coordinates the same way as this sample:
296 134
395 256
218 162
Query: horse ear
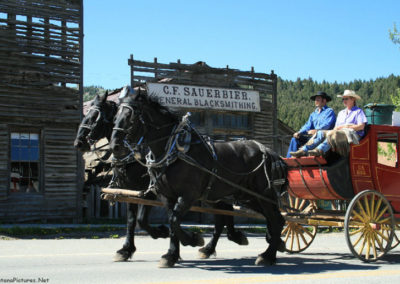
103 97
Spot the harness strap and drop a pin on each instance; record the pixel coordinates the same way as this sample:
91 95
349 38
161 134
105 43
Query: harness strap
189 160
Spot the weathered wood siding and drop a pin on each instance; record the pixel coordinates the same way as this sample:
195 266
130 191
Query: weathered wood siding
41 90
263 126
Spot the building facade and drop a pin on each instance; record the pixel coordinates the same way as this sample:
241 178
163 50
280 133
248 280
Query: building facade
40 108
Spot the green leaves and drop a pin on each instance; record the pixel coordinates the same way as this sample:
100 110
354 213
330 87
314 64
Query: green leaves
295 106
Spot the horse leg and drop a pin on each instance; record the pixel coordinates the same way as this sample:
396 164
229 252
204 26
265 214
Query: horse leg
232 234
128 249
209 249
186 238
275 223
171 257
143 220
182 206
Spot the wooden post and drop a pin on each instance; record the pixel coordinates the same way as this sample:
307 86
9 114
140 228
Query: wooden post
274 110
92 201
155 68
98 201
63 41
116 209
132 72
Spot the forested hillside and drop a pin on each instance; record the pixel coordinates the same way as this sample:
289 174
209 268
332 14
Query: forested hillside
294 105
91 91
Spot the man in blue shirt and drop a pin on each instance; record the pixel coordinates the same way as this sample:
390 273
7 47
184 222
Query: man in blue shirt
323 118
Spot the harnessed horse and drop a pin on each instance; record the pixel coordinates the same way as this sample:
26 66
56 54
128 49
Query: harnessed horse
245 171
96 125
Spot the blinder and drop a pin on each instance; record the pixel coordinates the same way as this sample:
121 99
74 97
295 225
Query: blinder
91 126
183 139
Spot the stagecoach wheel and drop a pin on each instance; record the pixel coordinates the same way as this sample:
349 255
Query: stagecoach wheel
369 226
296 236
396 240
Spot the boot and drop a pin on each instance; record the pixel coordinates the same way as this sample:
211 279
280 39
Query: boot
299 153
315 152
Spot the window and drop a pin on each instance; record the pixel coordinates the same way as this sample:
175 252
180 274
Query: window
197 118
229 120
387 149
25 162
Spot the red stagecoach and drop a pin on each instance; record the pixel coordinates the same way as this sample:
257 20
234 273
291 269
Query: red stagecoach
369 178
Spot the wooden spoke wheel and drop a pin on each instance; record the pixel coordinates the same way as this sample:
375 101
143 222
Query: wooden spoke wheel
298 237
369 226
396 237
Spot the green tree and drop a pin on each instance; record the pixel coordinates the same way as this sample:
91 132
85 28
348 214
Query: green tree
91 91
396 99
395 38
394 35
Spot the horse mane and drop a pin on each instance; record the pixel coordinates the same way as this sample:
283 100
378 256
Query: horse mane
151 101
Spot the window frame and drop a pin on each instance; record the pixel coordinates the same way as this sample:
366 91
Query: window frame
380 137
27 129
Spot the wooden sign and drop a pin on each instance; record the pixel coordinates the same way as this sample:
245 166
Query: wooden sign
185 96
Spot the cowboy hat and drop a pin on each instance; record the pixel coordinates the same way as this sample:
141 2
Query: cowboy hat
323 95
349 93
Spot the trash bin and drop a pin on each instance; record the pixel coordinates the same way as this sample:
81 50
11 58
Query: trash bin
379 113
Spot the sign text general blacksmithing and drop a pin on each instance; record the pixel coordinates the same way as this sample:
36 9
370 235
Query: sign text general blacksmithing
172 95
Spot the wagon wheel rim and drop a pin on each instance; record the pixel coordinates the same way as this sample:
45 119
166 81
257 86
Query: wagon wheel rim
369 226
296 236
396 240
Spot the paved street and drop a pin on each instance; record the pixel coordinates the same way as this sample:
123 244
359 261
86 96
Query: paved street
90 261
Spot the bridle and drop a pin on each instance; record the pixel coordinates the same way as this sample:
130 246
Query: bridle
91 127
133 147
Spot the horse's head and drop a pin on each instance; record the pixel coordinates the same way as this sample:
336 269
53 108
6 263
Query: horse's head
141 116
96 124
128 126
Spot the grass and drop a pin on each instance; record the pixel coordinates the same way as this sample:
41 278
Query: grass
59 232
114 232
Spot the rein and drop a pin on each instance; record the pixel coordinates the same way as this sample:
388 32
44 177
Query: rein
171 154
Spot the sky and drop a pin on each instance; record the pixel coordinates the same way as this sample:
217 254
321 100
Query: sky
331 40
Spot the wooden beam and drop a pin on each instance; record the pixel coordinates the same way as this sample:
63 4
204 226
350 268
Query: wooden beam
128 199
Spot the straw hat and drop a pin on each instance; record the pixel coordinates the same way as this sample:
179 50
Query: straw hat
349 93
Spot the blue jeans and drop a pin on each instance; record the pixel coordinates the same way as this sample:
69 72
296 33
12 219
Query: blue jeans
295 144
319 142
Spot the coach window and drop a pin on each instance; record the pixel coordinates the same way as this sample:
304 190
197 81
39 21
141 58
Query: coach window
25 166
387 149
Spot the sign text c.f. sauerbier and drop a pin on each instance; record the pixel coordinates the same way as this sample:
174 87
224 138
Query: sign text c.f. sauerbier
172 95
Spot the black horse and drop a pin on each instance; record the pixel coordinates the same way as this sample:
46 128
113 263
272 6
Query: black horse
97 124
183 167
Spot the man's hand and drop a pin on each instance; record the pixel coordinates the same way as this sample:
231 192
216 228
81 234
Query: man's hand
296 135
312 131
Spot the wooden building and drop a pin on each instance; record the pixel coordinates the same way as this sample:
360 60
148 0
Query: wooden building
249 111
41 86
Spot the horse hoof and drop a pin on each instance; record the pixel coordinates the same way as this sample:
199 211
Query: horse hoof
124 254
239 238
166 262
261 261
121 256
205 253
198 240
163 232
281 246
